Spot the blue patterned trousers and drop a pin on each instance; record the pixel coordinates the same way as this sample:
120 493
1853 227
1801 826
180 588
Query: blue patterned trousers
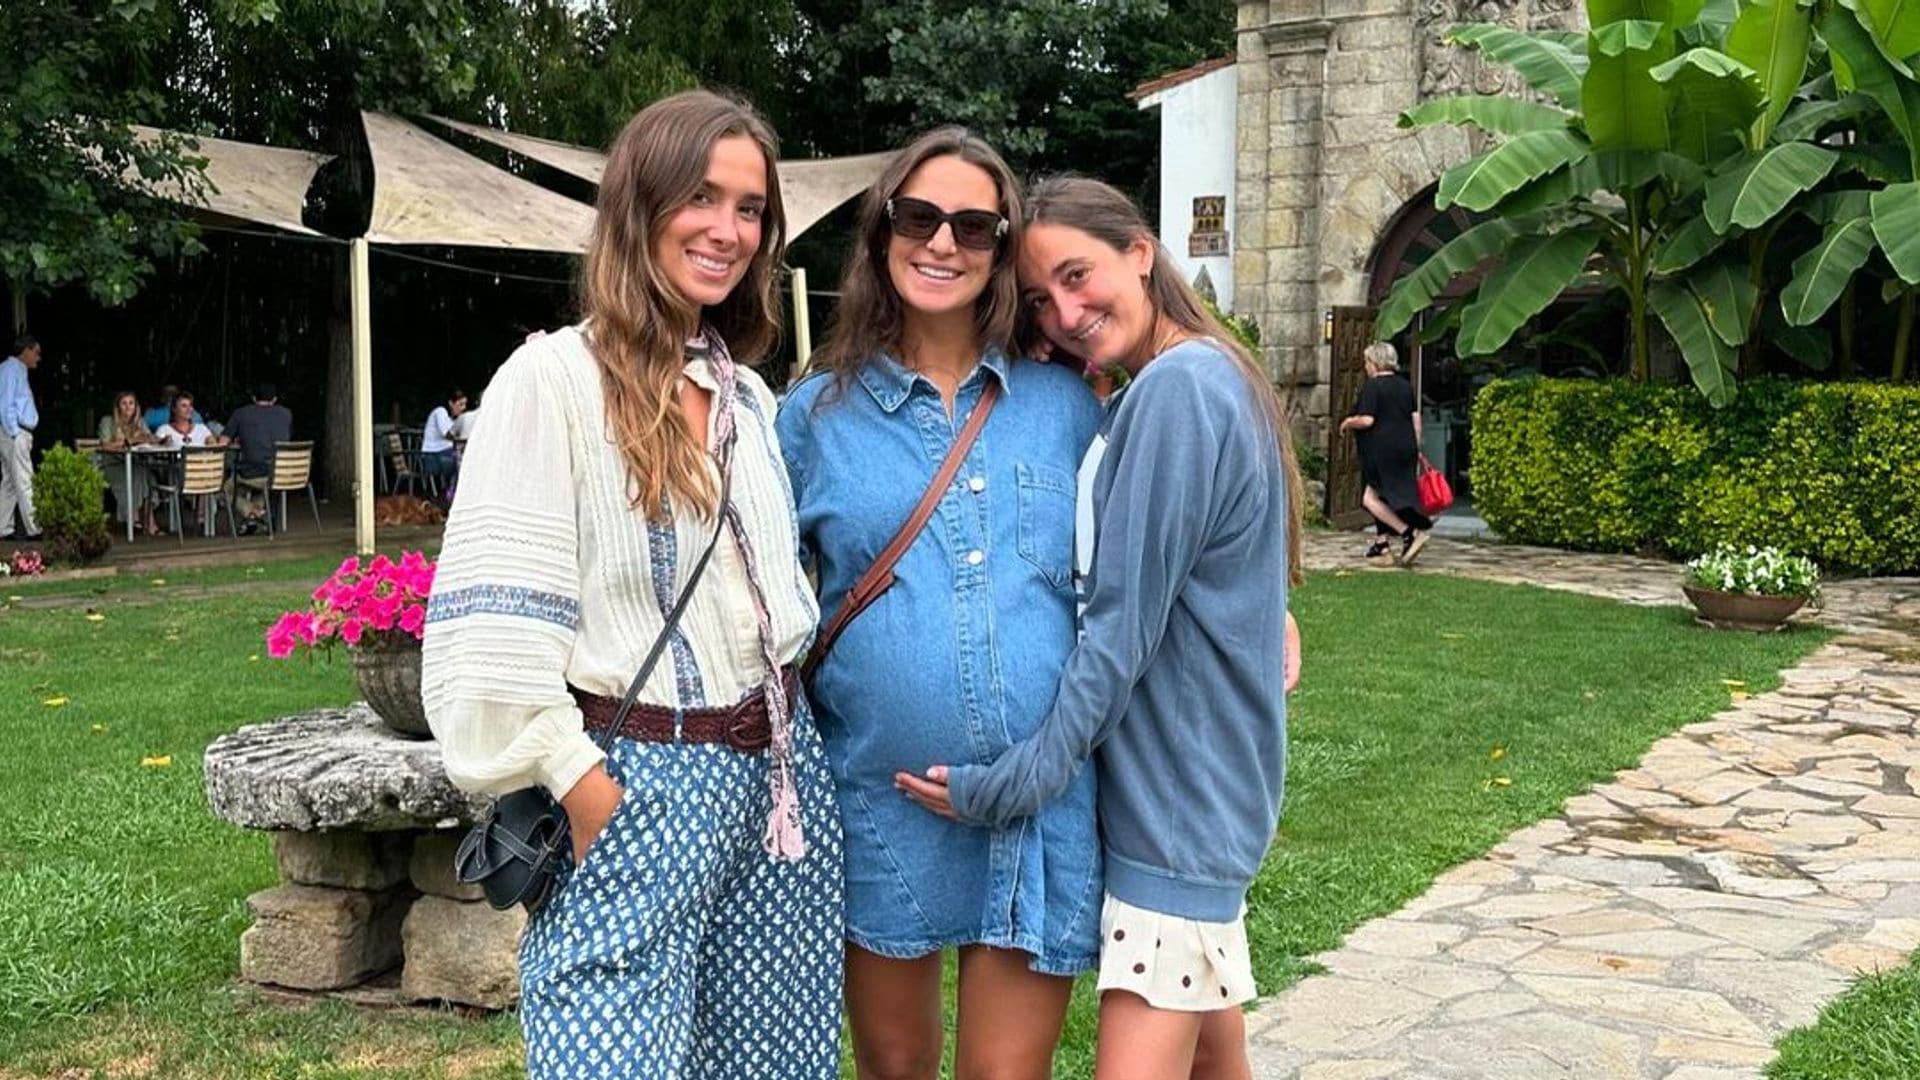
678 949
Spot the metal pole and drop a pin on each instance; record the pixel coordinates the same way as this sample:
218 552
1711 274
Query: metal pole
360 291
802 324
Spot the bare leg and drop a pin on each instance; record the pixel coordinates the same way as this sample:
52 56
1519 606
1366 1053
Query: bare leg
1221 1053
1140 1042
1381 512
893 1007
1009 1016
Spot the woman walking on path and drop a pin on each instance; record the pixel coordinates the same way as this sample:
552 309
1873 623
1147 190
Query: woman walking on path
1179 679
698 931
962 655
1385 424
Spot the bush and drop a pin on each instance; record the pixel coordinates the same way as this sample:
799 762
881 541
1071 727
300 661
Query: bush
1830 470
66 500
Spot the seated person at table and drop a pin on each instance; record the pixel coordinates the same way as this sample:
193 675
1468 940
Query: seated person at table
185 427
124 429
255 429
437 455
163 410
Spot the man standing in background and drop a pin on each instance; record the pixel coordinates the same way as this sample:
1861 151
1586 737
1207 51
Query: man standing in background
18 418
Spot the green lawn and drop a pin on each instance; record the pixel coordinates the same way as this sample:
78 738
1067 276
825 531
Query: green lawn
122 899
1870 1033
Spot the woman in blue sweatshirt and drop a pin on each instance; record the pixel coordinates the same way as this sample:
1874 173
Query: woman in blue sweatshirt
1191 497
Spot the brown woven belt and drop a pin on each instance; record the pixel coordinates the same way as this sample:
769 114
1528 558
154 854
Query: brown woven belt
742 726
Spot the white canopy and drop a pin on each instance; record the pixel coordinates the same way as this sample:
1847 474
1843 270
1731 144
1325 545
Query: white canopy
264 184
810 189
426 191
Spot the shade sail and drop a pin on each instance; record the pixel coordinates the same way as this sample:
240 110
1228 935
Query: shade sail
264 184
427 191
809 188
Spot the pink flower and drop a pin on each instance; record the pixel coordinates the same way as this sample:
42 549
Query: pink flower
352 630
414 620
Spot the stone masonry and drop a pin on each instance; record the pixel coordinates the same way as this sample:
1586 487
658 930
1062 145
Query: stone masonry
1323 167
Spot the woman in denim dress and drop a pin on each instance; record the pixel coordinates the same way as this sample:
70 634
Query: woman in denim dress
962 656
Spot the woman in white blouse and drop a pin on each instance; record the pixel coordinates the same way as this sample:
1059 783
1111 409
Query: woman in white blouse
698 933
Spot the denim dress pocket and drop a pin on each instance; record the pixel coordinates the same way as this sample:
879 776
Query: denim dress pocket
1046 521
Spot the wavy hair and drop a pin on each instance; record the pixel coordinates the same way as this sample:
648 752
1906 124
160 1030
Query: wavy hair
637 323
1102 212
870 318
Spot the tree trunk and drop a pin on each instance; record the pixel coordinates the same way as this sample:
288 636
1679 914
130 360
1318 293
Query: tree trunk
1845 366
1637 292
339 430
1903 337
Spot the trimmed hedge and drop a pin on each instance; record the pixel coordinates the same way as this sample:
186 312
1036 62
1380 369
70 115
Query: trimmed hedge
1827 470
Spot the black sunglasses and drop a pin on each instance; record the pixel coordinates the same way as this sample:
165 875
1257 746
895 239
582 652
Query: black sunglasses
918 219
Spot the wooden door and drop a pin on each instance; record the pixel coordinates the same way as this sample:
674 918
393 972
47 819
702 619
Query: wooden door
1352 333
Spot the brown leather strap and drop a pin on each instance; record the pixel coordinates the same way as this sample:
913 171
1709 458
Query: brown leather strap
879 577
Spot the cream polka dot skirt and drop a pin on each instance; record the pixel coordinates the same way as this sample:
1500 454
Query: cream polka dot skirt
1177 964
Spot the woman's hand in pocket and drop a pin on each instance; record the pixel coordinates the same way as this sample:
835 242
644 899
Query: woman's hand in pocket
590 805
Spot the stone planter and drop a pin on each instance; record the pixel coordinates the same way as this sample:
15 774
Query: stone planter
1742 611
389 679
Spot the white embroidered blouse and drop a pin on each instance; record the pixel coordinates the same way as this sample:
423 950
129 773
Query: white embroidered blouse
548 576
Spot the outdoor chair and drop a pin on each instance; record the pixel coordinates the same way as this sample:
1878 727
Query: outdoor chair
400 464
88 447
292 471
203 476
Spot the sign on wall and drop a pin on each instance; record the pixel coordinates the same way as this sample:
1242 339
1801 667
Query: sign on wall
1209 233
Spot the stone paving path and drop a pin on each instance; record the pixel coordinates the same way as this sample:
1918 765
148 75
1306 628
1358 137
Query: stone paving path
1673 922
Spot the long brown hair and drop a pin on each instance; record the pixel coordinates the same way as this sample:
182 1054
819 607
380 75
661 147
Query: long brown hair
637 323
869 319
136 429
1102 212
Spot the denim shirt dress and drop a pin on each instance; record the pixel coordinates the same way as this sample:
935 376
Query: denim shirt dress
960 659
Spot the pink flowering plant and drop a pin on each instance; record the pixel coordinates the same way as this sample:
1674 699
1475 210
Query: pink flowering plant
378 604
24 562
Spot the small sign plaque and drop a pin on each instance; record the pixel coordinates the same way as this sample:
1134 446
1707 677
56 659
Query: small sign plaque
1209 233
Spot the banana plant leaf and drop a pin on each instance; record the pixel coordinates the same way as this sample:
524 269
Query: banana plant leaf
1806 119
1895 25
1823 271
1709 359
1688 245
1771 37
1538 269
1761 185
1601 13
1885 162
1896 225
1831 206
1416 291
1546 65
1716 18
1855 54
1558 188
1810 345
1728 296
1713 101
1624 107
1481 182
1496 113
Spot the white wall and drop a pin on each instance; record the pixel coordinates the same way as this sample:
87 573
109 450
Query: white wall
1197 144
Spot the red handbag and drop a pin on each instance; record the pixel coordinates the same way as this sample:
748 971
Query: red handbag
1435 493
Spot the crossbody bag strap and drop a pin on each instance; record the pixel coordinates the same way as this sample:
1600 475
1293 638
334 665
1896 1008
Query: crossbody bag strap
879 577
679 608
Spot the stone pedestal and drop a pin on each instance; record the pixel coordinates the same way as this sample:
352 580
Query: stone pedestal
365 825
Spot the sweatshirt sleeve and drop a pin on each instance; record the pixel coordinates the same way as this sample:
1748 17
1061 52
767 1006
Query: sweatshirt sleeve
1164 447
506 596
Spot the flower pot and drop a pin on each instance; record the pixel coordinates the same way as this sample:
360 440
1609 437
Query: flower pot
1742 611
389 677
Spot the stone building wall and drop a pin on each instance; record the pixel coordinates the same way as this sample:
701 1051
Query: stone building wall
1323 167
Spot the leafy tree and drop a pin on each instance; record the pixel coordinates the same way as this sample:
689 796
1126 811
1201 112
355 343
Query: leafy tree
75 184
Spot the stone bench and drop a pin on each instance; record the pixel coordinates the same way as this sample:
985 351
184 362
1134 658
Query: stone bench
364 825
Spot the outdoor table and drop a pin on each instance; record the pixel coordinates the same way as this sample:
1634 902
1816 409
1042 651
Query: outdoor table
155 454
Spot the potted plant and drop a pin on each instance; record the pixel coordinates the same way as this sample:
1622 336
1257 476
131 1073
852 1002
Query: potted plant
1750 588
378 611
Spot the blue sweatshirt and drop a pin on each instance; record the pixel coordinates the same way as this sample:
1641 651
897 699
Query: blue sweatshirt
1179 677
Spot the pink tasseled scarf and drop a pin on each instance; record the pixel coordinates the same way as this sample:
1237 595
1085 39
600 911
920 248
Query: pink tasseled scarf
784 837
